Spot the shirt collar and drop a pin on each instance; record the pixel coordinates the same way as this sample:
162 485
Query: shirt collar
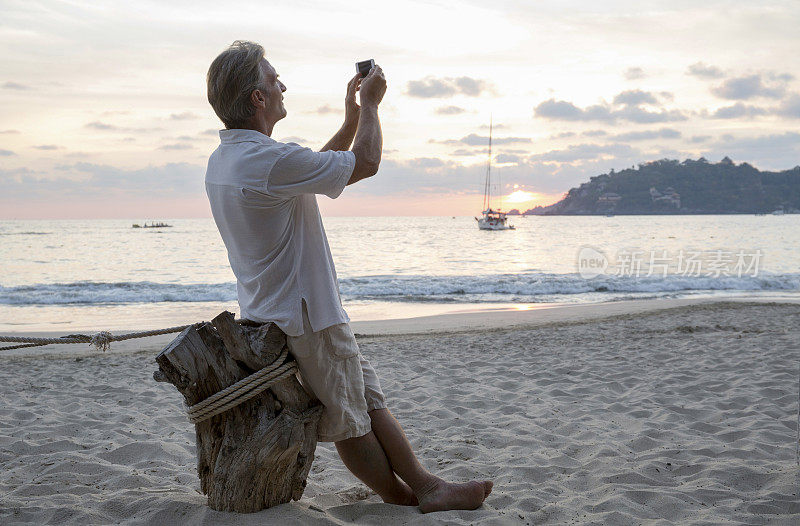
242 135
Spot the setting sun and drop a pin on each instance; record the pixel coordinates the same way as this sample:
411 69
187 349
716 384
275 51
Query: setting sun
520 196
524 200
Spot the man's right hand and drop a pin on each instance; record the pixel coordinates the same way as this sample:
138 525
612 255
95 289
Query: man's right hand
373 87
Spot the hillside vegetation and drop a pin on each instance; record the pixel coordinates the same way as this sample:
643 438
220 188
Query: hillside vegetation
689 187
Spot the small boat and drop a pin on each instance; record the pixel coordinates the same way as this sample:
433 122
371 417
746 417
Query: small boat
151 225
778 212
492 219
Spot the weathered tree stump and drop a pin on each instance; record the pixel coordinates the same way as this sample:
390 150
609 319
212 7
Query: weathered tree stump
257 454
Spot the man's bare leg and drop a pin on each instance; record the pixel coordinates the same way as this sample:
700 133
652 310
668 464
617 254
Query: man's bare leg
433 493
365 458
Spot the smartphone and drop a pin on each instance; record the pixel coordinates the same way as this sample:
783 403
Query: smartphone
365 66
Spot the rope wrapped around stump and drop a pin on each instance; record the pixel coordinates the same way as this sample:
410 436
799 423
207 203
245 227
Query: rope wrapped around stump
243 390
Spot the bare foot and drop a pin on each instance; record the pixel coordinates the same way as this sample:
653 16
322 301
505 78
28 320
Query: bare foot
441 495
404 497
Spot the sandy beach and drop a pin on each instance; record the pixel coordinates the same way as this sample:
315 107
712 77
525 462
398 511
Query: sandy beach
665 411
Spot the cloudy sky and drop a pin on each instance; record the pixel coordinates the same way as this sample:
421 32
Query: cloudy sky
103 110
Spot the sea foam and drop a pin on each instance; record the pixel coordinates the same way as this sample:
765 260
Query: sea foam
523 287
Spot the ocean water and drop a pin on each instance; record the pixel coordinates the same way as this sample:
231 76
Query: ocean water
99 274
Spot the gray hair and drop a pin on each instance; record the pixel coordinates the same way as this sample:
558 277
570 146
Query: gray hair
232 77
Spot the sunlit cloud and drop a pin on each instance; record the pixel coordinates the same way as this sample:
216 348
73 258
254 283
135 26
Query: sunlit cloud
748 87
738 111
503 158
184 116
634 73
635 97
450 110
646 135
431 87
578 152
15 86
473 139
594 133
104 126
701 70
790 107
566 111
176 146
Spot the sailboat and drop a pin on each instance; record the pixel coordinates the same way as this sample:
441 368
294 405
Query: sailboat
492 219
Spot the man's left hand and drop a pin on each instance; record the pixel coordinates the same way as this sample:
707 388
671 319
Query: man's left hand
351 107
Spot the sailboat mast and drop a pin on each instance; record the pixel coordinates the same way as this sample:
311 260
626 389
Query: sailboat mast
487 191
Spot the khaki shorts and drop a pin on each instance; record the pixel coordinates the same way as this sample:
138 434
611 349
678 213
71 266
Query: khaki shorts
333 369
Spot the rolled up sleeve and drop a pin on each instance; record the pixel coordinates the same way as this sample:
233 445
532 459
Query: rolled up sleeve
304 171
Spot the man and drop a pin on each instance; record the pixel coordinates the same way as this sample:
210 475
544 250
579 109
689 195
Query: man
263 198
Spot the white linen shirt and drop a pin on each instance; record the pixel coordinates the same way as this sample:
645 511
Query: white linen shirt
262 195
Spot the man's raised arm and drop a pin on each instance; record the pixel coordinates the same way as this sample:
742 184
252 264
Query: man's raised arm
368 142
344 137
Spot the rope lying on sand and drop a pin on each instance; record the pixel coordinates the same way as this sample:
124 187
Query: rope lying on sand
243 390
101 340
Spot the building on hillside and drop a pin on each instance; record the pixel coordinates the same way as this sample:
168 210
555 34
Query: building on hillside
668 197
609 198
